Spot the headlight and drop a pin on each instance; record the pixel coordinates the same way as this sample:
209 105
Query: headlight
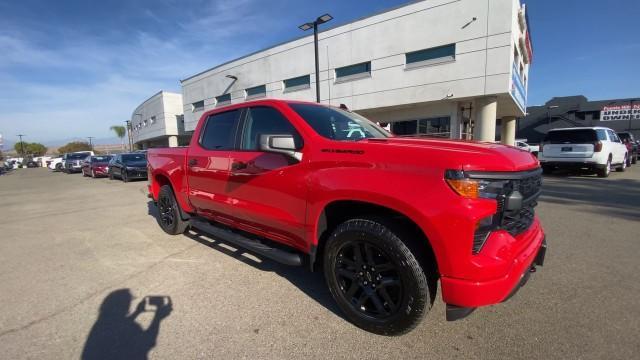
474 188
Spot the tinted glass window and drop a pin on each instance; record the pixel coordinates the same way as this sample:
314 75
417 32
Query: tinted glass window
297 83
129 158
437 54
257 91
363 68
571 136
263 121
100 158
77 156
220 131
338 124
223 99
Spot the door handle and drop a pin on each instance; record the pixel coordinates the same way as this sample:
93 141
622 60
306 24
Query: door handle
238 165
193 162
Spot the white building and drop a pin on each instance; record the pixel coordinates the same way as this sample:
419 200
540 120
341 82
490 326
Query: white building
436 67
158 121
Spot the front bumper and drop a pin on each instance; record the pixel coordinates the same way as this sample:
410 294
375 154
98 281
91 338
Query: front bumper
470 294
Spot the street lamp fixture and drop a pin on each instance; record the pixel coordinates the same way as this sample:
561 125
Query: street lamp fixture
314 25
549 113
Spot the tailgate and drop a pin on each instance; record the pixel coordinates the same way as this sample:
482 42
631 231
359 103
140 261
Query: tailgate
568 150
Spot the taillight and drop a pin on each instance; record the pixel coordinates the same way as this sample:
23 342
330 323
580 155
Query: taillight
597 147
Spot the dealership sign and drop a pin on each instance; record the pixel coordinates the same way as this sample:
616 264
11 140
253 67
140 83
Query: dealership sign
620 112
518 91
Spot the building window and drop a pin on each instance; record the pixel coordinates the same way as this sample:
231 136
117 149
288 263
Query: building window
430 56
255 92
433 127
223 99
297 83
153 120
197 106
144 123
351 72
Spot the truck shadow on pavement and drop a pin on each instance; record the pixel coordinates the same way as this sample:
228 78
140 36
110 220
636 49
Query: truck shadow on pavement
310 283
117 335
614 197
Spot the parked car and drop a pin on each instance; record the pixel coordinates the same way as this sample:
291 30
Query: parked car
32 163
128 166
594 149
96 166
72 162
534 149
384 217
55 164
632 146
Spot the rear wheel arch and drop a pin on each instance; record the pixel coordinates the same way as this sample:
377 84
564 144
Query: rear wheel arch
337 212
160 180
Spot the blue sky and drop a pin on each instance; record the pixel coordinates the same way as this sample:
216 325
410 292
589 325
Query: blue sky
71 69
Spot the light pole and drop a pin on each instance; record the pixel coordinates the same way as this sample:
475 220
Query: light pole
549 113
90 143
21 145
630 113
314 25
129 133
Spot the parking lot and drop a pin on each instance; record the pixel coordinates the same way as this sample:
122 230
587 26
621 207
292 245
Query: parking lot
67 243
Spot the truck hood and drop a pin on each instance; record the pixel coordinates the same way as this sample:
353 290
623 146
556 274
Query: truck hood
461 154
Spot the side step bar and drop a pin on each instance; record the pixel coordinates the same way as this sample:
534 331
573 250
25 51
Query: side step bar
281 256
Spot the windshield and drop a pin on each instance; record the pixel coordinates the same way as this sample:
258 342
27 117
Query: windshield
571 136
337 124
77 156
132 158
99 159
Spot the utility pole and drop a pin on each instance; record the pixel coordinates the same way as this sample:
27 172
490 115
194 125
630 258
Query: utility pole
21 145
90 143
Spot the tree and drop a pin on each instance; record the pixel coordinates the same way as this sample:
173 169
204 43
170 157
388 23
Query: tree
120 131
74 146
33 149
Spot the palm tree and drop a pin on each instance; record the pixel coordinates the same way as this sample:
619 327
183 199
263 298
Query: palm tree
120 131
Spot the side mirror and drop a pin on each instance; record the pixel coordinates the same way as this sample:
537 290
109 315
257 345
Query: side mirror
281 144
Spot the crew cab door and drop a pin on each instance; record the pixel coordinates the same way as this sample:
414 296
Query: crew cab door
207 165
268 189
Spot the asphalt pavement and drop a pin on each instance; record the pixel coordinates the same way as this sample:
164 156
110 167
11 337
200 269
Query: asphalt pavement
84 268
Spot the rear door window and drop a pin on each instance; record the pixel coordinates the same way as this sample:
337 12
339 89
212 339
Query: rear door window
220 131
581 136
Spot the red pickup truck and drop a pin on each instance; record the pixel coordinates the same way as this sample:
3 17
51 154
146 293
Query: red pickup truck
384 217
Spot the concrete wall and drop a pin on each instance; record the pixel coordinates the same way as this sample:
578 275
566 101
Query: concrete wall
165 107
482 65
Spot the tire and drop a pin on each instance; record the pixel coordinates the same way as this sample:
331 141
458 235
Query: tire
634 159
124 177
84 174
547 170
58 167
169 217
93 173
383 290
604 172
623 166
110 175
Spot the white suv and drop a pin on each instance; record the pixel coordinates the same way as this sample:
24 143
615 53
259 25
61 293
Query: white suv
591 148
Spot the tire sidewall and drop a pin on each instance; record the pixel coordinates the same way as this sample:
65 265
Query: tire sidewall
415 296
179 225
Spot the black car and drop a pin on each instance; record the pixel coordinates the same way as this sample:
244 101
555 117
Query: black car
128 166
629 140
32 164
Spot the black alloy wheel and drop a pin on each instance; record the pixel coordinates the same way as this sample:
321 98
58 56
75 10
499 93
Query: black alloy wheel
123 175
375 277
169 216
368 280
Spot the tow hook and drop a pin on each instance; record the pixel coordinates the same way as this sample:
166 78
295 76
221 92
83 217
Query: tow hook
532 269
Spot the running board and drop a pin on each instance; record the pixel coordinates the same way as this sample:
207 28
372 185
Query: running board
281 256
